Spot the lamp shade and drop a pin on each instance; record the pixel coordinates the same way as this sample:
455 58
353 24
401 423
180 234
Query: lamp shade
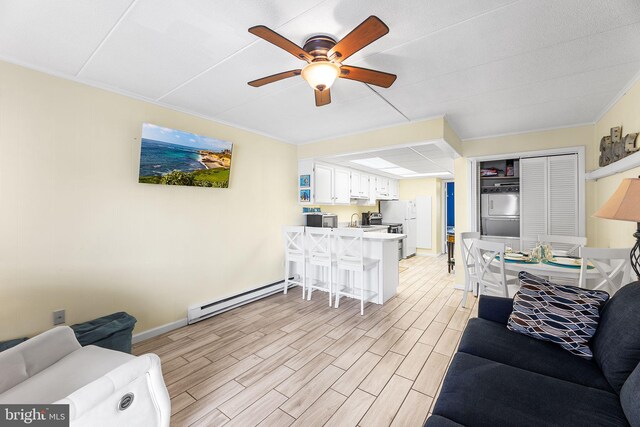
624 204
320 75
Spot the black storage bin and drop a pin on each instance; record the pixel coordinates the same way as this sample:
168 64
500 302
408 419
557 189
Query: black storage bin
113 332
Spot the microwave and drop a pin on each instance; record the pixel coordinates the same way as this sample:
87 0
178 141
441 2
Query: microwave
318 219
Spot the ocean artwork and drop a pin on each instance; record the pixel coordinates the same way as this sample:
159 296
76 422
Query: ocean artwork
174 157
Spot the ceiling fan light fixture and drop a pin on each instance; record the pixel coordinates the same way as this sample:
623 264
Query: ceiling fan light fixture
320 75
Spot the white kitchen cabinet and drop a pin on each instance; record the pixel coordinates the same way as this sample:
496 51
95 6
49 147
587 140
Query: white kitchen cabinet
382 187
359 186
373 190
394 189
323 184
332 185
548 196
364 186
356 191
341 186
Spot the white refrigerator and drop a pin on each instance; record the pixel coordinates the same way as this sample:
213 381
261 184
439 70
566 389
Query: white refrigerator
402 212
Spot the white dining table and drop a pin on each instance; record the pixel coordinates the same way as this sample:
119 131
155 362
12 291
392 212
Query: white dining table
548 270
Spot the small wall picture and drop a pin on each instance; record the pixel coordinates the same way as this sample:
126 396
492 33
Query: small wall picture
305 180
305 195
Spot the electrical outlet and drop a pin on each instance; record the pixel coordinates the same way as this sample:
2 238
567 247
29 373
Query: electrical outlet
58 317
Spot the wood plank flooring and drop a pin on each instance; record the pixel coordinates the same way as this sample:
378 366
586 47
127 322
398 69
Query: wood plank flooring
284 361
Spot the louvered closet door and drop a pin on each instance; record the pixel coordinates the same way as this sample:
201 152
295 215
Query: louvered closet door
533 199
563 195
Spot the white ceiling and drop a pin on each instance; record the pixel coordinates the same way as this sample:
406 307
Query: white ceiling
491 66
427 159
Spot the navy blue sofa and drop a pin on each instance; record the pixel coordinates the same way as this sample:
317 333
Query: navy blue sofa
503 378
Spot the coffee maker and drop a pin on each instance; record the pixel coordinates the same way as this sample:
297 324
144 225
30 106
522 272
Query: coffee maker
371 218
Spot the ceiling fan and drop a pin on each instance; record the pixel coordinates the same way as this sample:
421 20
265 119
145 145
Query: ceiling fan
324 58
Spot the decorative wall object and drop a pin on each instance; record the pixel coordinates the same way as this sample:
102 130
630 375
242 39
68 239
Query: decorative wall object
305 195
605 151
305 181
631 143
614 147
175 157
616 134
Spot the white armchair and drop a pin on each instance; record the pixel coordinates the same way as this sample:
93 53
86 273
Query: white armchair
95 382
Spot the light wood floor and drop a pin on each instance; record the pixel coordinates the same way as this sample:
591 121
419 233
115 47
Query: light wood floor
286 361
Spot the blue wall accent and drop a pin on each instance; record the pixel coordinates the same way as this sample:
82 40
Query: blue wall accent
451 212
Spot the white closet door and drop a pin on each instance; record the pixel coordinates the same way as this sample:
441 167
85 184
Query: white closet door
533 197
563 195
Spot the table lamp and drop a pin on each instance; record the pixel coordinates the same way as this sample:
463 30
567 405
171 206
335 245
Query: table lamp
624 205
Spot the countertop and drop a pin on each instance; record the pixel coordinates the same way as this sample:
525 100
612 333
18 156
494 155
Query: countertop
372 235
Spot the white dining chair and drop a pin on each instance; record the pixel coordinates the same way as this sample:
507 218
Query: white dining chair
490 269
467 240
570 245
294 252
612 266
350 258
319 246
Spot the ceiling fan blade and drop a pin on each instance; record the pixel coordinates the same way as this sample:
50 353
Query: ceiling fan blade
323 97
274 78
364 34
283 43
366 75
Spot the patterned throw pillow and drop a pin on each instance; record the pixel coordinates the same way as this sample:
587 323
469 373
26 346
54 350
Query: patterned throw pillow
565 315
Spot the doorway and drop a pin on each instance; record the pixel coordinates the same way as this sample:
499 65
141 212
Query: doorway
448 212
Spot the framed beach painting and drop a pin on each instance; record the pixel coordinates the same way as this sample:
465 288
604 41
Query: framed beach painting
174 157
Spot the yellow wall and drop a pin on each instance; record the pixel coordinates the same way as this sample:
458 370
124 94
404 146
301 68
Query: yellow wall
412 188
461 197
415 132
608 233
77 231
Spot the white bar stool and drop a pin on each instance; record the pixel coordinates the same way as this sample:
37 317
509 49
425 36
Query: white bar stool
294 251
350 257
321 256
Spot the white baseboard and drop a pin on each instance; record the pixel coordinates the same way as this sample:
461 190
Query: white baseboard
159 330
261 292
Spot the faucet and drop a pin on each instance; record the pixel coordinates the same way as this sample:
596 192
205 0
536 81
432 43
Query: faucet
354 223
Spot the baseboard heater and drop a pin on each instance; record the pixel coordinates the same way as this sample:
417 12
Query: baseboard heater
200 312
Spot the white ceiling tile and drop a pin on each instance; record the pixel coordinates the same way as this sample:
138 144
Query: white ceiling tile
225 86
56 35
163 43
558 113
292 114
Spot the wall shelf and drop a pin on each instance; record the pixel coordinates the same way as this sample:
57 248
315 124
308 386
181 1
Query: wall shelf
622 165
